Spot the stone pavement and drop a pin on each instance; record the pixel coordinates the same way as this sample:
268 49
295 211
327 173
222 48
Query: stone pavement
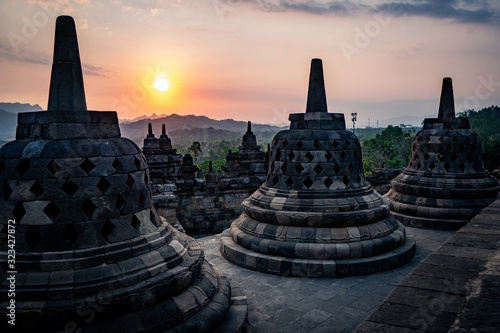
290 304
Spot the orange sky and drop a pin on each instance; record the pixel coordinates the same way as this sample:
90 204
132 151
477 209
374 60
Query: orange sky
250 61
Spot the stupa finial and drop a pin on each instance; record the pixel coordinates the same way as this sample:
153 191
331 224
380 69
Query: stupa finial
163 131
150 129
446 103
66 81
316 95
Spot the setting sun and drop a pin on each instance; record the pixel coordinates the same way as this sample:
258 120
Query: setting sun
161 83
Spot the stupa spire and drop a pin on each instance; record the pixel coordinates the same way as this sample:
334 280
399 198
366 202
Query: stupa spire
446 103
316 95
163 131
249 127
66 82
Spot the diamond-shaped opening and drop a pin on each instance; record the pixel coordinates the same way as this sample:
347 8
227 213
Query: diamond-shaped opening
299 168
309 156
135 223
6 191
88 208
441 157
355 154
120 202
318 169
51 210
345 180
87 166
474 166
291 156
275 143
317 144
447 166
350 167
432 166
300 144
427 156
468 157
33 236
275 180
419 165
308 182
347 143
285 143
441 139
462 147
272 166
335 144
328 156
343 154
283 168
454 157
277 156
69 187
447 148
130 181
117 165
103 185
37 188
70 233
289 182
337 168
413 146
107 229
19 212
2 165
427 138
461 166
23 166
328 182
142 199
137 163
358 178
416 156
53 167
455 139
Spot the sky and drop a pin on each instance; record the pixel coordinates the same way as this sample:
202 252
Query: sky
250 59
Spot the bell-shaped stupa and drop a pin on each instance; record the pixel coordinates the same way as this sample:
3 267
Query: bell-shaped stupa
92 254
445 184
316 215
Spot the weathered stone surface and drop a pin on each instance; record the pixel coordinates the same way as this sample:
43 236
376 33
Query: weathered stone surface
445 185
308 217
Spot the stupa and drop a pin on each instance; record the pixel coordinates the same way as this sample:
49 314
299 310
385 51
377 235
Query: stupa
445 184
92 254
316 215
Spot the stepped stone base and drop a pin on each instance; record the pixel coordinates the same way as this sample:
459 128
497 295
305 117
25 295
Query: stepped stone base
315 268
428 223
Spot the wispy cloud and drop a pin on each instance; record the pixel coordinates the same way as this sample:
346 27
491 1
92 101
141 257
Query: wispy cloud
43 58
456 10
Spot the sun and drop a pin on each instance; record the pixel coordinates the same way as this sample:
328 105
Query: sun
161 83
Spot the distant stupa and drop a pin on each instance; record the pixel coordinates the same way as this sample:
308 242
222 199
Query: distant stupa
316 215
445 184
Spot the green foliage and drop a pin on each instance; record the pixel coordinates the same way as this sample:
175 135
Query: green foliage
216 165
486 123
389 149
196 149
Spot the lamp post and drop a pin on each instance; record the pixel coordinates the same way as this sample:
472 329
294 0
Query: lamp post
354 117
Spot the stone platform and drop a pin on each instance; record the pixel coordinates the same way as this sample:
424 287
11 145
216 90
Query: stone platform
293 304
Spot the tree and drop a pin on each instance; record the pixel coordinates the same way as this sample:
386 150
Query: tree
196 149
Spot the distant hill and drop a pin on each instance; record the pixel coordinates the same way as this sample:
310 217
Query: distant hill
8 123
137 130
19 107
406 120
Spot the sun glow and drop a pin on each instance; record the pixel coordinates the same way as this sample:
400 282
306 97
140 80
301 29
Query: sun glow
161 83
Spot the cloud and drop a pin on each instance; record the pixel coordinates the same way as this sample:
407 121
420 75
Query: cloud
43 58
457 10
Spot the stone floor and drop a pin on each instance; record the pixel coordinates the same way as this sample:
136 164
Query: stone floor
287 304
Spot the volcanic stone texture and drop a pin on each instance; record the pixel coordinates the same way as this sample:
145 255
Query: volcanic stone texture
445 184
316 215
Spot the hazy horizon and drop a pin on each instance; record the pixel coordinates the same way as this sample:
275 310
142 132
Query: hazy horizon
249 60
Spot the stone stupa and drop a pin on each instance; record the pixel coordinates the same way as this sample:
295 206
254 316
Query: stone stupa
316 215
92 253
445 184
